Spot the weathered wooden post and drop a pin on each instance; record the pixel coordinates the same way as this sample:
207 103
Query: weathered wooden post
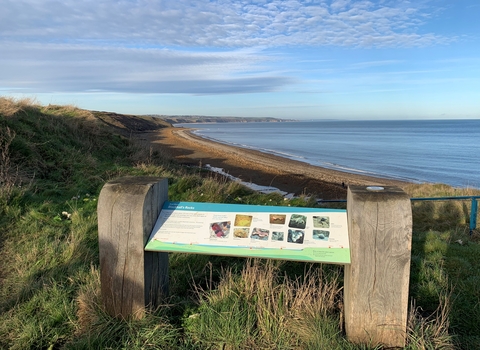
131 278
377 280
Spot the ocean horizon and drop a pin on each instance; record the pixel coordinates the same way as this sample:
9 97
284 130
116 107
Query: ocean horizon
419 151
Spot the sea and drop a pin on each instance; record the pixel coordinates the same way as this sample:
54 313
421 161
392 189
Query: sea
419 151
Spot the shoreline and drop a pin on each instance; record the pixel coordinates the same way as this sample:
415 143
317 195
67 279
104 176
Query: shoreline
264 169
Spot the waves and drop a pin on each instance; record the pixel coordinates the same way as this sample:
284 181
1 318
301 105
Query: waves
436 151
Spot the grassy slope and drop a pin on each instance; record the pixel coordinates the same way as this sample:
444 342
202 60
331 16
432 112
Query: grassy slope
58 160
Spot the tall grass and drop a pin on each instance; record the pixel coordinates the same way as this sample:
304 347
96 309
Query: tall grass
430 332
8 175
261 309
11 106
439 190
61 156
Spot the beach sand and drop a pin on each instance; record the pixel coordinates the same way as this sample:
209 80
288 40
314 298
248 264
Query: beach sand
259 168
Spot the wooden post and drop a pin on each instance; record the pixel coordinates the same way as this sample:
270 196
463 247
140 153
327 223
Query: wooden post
377 280
131 278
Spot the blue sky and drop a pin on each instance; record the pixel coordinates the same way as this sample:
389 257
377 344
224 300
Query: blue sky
289 59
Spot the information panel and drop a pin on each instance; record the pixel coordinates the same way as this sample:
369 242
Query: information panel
302 234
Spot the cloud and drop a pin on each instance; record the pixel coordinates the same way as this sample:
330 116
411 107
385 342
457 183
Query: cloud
369 64
220 23
186 46
70 68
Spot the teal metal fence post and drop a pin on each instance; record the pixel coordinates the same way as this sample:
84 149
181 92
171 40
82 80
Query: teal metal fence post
473 215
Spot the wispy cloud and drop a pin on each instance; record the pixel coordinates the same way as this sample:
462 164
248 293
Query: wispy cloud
371 64
69 67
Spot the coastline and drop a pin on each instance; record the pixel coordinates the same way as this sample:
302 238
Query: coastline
260 168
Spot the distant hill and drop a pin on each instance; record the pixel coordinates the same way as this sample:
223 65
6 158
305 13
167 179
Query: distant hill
209 119
125 123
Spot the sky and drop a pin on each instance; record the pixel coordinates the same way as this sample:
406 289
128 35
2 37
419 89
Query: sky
312 59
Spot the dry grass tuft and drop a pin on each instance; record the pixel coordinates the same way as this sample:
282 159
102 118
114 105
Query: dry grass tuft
8 176
430 332
89 305
284 311
438 190
10 106
70 110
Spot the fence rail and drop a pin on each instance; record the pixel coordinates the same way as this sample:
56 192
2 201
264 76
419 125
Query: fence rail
473 209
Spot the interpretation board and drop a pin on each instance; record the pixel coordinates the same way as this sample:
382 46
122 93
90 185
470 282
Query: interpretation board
290 233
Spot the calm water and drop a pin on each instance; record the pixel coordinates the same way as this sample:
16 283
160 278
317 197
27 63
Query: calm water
438 151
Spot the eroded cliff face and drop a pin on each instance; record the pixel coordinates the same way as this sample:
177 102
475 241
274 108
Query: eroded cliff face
132 123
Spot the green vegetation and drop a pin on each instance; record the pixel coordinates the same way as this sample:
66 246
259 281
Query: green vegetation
53 162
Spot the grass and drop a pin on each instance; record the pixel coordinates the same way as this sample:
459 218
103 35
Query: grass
259 308
55 160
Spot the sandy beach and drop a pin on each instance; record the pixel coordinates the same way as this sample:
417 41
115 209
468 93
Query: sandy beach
260 168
